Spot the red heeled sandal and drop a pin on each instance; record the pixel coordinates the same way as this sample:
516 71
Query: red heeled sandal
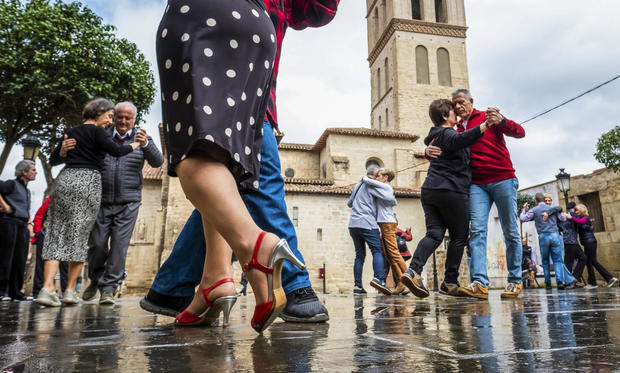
266 313
221 304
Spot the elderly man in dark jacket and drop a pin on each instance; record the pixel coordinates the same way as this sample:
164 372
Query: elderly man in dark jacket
121 179
15 230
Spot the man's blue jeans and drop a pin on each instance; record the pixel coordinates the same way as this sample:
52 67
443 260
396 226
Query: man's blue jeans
551 244
361 237
182 271
481 198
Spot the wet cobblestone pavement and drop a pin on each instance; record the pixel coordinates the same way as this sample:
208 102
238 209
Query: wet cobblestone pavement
544 330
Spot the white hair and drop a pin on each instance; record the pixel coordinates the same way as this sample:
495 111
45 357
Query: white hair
23 166
462 91
129 104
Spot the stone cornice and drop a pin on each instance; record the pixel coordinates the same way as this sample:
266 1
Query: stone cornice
413 25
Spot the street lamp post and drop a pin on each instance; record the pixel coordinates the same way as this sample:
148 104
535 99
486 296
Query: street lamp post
31 145
563 180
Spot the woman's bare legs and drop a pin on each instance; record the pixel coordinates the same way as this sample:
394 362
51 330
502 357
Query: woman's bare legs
50 267
75 268
217 266
211 188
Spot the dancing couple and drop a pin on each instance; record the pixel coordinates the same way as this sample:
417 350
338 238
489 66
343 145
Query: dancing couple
217 63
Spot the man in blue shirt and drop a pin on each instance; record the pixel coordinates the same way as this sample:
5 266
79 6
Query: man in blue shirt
546 220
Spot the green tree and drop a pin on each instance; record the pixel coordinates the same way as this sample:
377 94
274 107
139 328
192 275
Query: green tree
521 199
54 57
608 149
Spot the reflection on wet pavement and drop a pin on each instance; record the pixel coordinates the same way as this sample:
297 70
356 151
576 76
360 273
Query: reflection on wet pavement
544 330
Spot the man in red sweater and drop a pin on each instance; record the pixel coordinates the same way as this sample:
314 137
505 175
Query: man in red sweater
493 181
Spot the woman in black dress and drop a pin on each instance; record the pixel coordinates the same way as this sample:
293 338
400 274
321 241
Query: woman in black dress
215 62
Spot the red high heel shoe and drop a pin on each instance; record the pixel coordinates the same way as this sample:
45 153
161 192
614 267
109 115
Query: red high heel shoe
266 313
221 304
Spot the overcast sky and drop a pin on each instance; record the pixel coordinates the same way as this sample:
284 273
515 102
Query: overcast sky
524 56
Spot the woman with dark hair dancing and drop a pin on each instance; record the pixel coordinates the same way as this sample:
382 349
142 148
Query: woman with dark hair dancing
77 198
445 198
215 62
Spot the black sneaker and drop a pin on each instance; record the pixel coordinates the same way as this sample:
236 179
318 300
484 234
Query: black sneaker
302 305
359 291
414 282
90 292
164 304
560 286
380 286
449 289
548 287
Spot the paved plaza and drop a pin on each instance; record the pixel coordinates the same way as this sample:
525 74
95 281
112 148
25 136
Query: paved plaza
544 330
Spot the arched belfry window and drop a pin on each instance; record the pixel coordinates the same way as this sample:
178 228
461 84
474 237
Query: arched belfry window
387 119
386 70
443 67
378 84
416 9
376 23
384 10
421 65
441 14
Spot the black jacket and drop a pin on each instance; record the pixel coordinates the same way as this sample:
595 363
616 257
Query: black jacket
93 145
451 170
586 232
121 177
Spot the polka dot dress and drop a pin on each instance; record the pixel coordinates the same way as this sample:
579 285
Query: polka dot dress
215 62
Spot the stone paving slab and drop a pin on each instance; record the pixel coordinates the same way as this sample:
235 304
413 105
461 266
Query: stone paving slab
577 330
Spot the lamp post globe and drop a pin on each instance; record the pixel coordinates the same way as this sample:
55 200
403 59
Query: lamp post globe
563 180
31 145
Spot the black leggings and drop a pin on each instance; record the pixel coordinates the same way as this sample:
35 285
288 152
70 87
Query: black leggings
443 210
591 263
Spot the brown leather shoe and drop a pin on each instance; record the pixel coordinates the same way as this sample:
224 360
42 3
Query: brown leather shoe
512 291
474 290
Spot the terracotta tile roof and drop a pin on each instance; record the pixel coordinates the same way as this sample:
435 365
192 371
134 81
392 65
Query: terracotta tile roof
365 132
293 146
346 190
299 180
150 173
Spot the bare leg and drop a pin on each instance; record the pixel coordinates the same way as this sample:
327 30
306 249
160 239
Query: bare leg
50 267
75 268
217 267
211 188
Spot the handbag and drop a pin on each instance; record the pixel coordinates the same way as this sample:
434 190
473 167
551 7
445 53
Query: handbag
402 247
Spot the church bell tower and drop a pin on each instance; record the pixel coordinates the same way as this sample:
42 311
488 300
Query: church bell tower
416 54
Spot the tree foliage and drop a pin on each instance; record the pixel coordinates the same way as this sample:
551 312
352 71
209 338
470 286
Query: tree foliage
522 198
608 149
54 57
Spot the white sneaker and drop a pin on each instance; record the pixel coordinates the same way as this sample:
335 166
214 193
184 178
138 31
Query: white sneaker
588 287
612 282
48 299
69 297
